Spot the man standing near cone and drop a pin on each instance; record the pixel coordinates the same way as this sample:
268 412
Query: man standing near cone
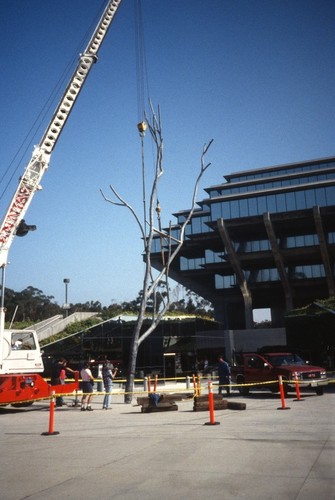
224 375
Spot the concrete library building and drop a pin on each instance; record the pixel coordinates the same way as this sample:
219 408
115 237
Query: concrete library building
263 238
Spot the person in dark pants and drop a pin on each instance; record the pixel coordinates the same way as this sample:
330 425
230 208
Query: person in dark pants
224 375
57 373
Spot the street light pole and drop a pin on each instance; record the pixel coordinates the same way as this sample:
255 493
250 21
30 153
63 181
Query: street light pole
66 306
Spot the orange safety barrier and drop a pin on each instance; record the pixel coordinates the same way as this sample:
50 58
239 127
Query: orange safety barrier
297 388
282 394
51 431
211 406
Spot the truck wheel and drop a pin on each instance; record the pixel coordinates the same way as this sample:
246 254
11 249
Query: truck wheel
244 391
319 391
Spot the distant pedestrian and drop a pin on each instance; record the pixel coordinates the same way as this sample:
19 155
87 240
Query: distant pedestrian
205 368
87 386
108 373
224 375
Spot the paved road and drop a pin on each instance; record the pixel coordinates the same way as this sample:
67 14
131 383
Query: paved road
261 453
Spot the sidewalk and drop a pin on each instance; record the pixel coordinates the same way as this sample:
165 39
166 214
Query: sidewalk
261 453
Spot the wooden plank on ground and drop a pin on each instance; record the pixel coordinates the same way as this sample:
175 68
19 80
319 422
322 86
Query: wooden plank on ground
216 397
159 407
204 405
234 405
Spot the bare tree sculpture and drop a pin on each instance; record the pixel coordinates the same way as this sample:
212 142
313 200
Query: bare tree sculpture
170 247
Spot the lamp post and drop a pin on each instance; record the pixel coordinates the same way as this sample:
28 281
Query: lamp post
66 305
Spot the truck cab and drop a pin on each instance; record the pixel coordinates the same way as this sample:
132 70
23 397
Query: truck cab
21 352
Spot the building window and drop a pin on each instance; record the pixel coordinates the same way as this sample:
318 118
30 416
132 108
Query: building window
306 240
213 257
198 225
307 272
191 264
222 282
263 275
331 238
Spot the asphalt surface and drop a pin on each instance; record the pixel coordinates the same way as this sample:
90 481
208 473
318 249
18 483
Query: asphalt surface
263 452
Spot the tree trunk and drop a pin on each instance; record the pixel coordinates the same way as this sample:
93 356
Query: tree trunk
129 389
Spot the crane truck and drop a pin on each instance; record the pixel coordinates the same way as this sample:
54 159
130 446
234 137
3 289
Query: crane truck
21 362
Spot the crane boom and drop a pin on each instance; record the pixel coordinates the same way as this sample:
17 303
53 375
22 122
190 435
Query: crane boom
30 181
19 387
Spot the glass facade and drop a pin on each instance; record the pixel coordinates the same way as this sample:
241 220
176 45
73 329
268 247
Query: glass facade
213 257
159 242
283 170
306 240
191 264
285 189
243 187
271 274
198 225
284 201
288 194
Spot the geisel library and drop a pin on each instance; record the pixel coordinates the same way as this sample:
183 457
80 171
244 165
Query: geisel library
263 238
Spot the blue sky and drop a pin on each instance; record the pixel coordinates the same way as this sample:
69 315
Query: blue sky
257 76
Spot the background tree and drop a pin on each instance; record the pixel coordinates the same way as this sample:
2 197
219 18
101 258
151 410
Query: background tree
89 306
29 305
151 289
188 302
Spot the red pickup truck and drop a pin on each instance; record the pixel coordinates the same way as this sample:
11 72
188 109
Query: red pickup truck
266 367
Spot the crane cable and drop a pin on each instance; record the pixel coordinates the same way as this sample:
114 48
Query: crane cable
142 91
142 96
141 64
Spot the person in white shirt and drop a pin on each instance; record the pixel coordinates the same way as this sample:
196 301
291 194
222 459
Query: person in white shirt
87 386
